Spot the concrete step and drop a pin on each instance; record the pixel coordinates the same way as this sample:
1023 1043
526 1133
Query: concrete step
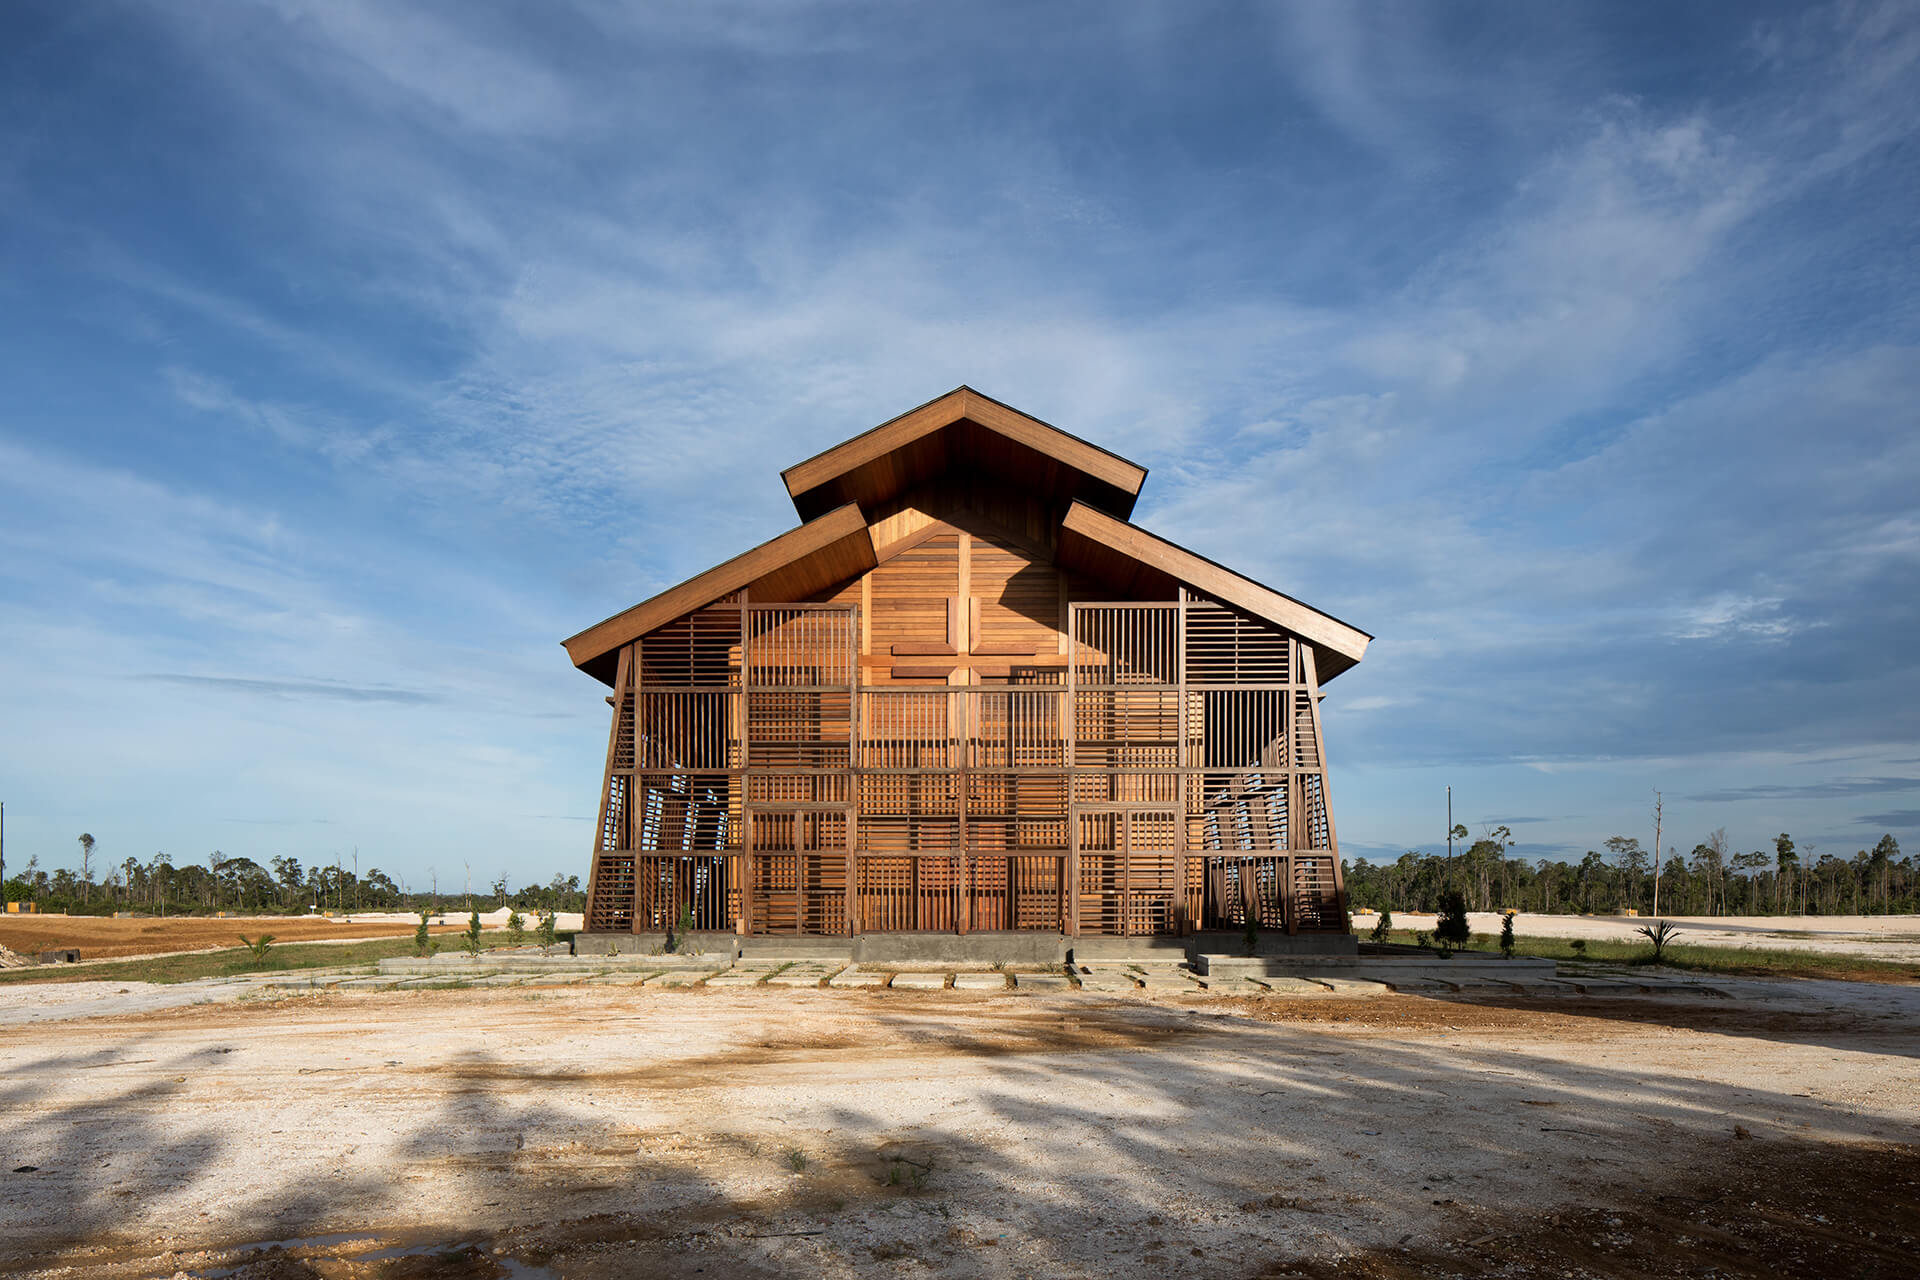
919 981
1042 982
979 982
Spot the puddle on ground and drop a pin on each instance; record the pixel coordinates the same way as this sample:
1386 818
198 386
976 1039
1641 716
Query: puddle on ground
370 1256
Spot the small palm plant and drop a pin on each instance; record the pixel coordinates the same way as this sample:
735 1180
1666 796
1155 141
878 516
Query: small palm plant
1659 933
546 931
422 945
258 946
471 938
516 928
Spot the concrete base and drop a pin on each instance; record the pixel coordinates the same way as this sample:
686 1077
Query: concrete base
959 948
1091 948
778 950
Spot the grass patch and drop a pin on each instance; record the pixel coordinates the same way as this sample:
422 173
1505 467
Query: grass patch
233 962
1750 962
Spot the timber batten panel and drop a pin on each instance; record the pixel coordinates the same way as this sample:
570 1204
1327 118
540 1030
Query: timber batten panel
971 701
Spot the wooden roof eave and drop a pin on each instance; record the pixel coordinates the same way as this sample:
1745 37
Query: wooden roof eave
830 548
1340 646
1110 473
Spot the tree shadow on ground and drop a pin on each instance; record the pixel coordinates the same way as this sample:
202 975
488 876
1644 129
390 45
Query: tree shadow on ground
840 1134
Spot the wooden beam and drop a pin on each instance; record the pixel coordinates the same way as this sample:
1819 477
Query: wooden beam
1344 645
963 404
839 542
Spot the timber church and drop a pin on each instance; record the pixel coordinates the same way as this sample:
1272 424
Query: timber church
966 695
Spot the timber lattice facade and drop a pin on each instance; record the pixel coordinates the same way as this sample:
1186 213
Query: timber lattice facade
966 695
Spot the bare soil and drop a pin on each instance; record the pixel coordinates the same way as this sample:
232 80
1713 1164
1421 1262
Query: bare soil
104 938
619 1131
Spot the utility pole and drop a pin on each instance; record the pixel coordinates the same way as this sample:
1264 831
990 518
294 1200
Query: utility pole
1449 825
3 852
1656 854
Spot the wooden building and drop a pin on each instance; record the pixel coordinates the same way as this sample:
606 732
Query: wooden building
966 694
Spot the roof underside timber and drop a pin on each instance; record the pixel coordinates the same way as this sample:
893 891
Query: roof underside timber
817 555
963 431
948 435
1147 565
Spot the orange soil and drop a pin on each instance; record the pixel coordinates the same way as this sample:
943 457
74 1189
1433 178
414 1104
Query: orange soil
103 938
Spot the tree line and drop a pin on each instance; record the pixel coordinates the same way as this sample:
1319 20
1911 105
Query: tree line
1712 880
96 885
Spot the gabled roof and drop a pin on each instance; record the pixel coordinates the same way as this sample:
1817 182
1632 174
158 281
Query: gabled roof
966 431
1127 555
963 430
817 555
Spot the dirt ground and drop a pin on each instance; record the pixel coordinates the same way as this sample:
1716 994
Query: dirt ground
751 1132
104 938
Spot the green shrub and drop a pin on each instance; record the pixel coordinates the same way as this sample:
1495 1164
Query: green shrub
1506 934
516 929
471 938
1382 927
1451 929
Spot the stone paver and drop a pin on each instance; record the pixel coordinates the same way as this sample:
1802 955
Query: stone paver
618 979
682 977
800 976
979 982
1354 986
858 978
1040 982
1108 982
738 978
919 981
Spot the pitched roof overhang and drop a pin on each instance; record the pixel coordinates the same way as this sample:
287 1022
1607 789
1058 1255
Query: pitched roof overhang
819 554
1129 557
963 430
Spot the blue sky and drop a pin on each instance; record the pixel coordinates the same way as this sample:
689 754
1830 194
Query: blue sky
354 354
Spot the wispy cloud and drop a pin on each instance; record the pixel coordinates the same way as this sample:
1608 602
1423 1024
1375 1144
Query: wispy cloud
298 689
1831 790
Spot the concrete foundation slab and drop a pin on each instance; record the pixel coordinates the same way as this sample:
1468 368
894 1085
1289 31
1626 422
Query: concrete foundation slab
618 979
979 982
1353 986
858 978
1040 982
683 977
738 978
919 981
800 977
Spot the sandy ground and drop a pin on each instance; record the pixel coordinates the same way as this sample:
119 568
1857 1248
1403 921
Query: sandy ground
1894 938
599 1131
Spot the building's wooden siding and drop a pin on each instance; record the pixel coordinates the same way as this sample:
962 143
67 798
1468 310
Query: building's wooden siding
965 737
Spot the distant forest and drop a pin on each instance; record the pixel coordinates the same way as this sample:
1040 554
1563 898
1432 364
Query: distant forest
232 883
1712 880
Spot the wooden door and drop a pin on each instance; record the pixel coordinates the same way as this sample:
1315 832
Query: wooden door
1126 869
